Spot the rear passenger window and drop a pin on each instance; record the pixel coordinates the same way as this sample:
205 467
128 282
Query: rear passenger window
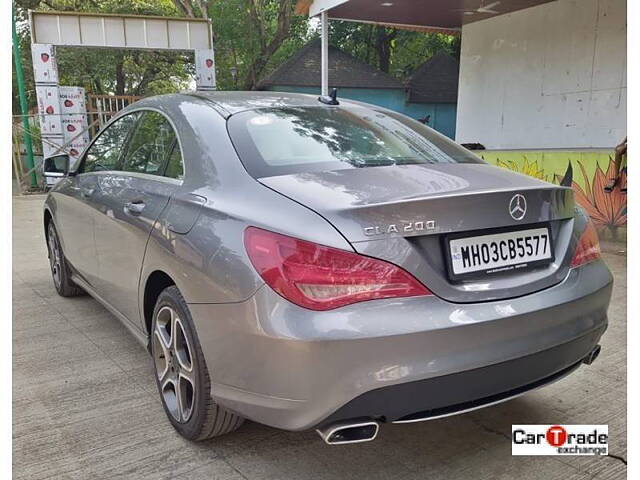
174 165
150 145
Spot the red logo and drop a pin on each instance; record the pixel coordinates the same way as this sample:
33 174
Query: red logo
209 63
71 128
73 152
49 110
556 436
44 57
68 103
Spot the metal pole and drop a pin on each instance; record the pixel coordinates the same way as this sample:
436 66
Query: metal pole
24 109
324 54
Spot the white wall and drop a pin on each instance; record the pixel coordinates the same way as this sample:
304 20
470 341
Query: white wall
551 76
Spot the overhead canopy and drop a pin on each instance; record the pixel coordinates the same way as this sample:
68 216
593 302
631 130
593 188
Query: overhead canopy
444 16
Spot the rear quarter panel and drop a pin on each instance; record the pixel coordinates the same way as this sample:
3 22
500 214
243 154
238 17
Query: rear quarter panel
208 261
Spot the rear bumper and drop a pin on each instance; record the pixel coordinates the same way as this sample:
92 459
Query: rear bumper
292 368
471 389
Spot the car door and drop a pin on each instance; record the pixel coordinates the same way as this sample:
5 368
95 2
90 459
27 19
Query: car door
130 202
77 198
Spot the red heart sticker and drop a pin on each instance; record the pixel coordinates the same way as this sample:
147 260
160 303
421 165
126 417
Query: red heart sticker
71 128
68 103
49 110
209 63
44 57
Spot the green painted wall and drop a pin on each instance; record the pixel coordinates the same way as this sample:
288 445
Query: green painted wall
547 164
443 115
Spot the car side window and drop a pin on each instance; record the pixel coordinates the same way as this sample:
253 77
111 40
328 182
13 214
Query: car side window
105 152
175 168
150 145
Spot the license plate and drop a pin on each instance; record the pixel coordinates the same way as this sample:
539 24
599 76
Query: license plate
500 252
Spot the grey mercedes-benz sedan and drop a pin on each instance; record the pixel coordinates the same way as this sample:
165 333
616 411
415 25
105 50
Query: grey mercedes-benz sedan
312 265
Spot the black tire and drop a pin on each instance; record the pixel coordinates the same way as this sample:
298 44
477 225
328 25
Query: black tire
60 271
206 419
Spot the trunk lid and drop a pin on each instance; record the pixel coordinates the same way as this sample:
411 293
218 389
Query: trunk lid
404 214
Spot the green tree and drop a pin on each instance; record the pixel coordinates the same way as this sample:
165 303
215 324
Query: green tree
395 51
252 37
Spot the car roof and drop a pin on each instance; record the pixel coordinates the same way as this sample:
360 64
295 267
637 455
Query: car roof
231 102
237 101
228 103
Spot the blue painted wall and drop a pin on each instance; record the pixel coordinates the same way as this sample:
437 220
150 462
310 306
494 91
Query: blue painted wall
443 115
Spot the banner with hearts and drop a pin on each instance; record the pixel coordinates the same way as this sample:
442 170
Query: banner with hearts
45 68
48 98
74 127
74 119
72 100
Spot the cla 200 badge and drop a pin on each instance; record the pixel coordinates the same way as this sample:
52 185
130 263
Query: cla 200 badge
406 227
559 439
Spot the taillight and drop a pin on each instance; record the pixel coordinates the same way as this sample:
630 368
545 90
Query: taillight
588 248
321 278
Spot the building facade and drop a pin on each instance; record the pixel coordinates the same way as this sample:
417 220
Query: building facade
544 90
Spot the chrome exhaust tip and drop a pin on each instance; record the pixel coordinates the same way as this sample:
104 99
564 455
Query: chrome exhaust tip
593 354
341 433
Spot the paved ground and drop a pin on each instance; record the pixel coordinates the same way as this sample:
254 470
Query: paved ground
85 406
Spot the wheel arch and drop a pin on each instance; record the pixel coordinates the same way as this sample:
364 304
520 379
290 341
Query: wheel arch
47 218
155 283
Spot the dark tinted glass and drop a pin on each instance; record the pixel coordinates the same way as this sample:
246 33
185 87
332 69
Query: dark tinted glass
57 164
150 145
105 152
174 165
294 140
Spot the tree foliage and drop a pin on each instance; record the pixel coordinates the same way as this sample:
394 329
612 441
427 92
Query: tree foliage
398 52
252 37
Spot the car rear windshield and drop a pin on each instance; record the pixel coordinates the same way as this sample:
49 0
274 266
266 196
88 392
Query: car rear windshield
280 141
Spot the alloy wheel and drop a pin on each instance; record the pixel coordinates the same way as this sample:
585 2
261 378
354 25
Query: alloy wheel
55 256
174 364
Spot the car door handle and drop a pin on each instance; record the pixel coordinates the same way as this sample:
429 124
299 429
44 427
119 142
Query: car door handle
135 207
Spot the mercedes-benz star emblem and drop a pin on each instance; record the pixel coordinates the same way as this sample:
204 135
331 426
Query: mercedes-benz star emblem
518 207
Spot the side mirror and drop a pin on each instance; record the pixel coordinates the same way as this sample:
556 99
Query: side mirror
54 168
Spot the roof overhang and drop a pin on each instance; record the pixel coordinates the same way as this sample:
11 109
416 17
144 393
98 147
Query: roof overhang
443 16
